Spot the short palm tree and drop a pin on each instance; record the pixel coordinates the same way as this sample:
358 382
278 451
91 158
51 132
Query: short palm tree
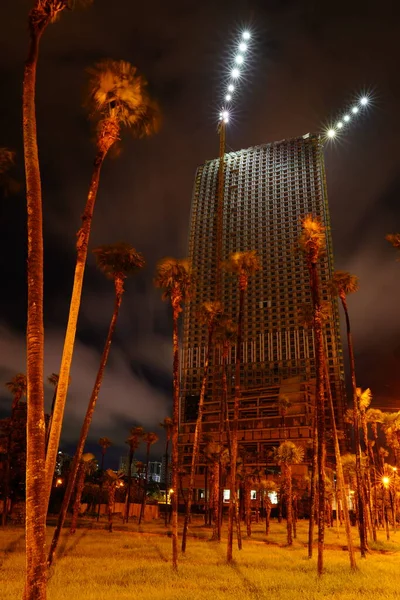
113 480
211 312
104 443
175 278
118 99
312 242
117 262
286 455
149 439
167 426
133 441
88 464
374 417
343 284
243 265
41 15
18 387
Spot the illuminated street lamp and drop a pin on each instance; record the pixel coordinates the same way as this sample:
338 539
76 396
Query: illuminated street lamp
353 111
386 481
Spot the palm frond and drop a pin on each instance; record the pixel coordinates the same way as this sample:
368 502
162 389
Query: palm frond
118 260
364 398
242 262
117 91
312 239
288 453
394 239
343 283
175 277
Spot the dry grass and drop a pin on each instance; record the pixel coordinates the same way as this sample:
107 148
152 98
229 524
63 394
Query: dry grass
96 565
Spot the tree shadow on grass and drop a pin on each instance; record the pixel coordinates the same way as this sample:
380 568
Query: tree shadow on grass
63 550
12 547
251 587
158 550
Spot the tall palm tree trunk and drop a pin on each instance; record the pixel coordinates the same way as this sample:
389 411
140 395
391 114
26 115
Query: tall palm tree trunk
69 341
289 502
197 437
145 483
103 452
86 423
51 417
35 586
320 411
174 437
313 487
235 423
80 482
128 487
111 501
340 476
360 499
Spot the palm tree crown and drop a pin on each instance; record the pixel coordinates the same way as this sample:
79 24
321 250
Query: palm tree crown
117 261
288 453
118 96
105 443
312 238
175 277
344 283
243 264
394 239
17 385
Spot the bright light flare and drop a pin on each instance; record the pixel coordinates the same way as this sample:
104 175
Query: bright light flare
364 101
235 73
242 47
246 35
385 481
354 110
346 118
339 125
331 133
239 60
228 97
231 88
225 115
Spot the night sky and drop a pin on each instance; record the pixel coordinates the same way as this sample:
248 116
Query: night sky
309 61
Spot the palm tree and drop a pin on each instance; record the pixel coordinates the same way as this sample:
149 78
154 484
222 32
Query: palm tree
42 14
268 486
104 443
113 480
87 464
375 416
211 311
18 387
343 283
175 278
117 262
117 98
394 239
167 426
243 265
286 455
312 241
133 441
149 438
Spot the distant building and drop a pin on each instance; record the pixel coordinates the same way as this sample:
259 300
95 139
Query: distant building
267 190
154 471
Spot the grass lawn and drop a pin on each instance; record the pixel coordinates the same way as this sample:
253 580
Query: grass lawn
96 565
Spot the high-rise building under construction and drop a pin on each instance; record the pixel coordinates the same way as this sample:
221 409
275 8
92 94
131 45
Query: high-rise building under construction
267 190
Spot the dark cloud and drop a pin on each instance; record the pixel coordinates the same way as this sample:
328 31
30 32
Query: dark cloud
309 60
